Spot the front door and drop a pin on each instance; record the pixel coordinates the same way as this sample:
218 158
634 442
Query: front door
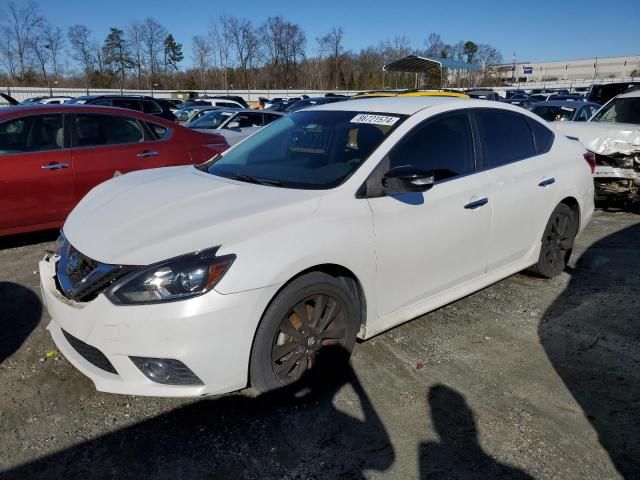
428 243
36 186
109 145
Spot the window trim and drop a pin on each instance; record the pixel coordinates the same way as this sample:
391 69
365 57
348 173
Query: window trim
74 138
376 176
66 141
481 167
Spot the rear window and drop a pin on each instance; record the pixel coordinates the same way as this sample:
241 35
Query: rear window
553 114
505 137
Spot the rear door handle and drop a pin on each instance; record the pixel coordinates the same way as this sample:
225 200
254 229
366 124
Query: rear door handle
55 166
476 204
148 153
547 182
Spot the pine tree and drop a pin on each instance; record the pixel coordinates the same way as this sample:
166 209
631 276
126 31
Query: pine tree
117 56
172 54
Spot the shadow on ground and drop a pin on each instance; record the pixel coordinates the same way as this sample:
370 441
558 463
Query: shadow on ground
292 433
24 239
591 335
20 311
458 454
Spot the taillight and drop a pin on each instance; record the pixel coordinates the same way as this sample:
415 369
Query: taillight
590 157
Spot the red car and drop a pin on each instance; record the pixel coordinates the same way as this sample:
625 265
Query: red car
51 156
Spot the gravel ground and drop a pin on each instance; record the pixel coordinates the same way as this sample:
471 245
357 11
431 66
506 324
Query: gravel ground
528 378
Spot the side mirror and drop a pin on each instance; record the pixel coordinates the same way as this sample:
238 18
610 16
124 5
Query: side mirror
406 178
232 125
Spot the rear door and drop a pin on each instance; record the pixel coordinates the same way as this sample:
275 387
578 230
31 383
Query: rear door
523 182
36 185
108 145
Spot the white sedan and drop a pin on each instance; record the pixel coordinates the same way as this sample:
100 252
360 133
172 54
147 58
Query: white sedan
333 223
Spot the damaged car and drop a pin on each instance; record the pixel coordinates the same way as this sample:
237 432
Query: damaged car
613 135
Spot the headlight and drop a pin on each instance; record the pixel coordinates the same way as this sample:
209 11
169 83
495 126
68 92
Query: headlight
179 278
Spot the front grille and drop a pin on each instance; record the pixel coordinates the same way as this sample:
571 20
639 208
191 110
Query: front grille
90 354
81 278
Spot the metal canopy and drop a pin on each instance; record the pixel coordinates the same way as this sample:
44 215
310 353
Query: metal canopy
416 64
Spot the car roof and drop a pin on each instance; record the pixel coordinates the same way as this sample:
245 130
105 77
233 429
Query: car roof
565 103
635 92
245 110
401 105
15 111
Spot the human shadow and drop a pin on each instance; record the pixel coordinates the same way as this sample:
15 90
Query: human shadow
458 454
591 334
296 432
20 311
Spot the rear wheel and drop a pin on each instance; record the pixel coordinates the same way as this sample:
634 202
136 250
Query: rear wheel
312 318
557 242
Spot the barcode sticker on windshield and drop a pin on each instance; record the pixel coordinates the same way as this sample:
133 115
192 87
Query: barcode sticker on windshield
374 119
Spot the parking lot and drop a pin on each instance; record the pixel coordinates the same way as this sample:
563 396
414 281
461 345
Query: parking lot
527 378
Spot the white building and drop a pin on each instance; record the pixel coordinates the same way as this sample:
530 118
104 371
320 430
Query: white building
591 70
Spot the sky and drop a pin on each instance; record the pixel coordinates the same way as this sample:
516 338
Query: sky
534 31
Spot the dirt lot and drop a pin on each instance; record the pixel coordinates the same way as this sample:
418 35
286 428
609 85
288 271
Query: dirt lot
527 378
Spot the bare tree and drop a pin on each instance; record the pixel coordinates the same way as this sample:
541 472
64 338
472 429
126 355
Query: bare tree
134 37
22 23
54 42
83 49
244 42
153 35
201 56
42 53
220 41
8 55
332 41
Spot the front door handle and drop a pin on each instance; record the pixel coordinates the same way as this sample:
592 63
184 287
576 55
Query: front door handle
476 204
148 153
547 182
55 166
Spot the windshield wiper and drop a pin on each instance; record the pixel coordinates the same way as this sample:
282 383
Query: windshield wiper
259 181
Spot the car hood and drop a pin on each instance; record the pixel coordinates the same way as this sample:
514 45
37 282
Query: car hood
604 138
152 215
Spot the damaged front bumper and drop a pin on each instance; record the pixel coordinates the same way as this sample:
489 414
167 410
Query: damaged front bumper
617 177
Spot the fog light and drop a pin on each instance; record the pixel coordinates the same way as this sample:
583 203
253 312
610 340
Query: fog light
166 370
156 370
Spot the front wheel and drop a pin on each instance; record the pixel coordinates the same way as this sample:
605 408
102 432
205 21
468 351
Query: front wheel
312 318
557 242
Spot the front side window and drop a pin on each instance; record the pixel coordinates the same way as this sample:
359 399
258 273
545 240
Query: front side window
211 120
101 130
505 137
307 149
443 146
620 110
32 134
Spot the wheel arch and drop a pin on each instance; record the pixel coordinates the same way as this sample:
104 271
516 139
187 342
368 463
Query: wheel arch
573 204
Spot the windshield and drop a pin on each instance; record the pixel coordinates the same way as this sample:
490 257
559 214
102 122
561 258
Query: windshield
307 149
553 114
620 110
211 120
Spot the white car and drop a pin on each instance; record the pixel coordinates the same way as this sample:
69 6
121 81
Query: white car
613 135
234 125
336 222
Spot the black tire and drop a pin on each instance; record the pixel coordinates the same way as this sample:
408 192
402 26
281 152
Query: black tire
285 348
557 242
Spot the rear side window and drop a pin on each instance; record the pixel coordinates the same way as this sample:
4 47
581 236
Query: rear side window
31 134
158 130
150 107
443 146
505 137
101 130
129 104
542 136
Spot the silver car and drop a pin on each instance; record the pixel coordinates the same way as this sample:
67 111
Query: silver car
234 125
